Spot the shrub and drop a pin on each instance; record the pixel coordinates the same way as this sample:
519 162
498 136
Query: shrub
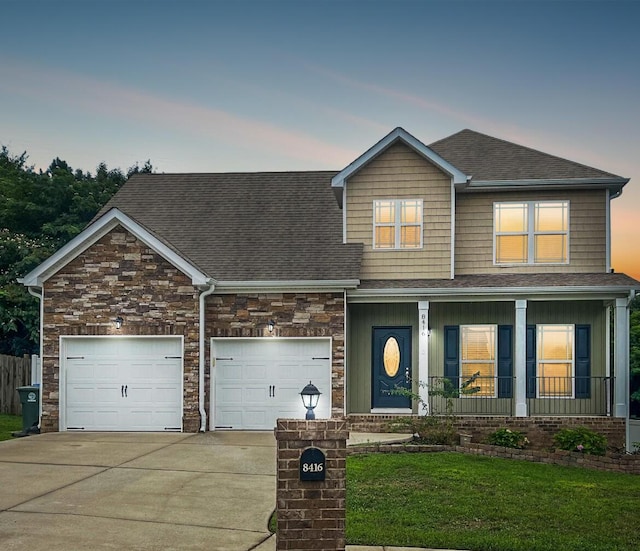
508 438
581 439
427 429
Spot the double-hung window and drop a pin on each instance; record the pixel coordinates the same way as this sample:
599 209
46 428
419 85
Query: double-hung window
531 232
397 224
478 345
555 360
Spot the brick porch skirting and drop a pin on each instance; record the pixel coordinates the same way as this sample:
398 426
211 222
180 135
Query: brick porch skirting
538 430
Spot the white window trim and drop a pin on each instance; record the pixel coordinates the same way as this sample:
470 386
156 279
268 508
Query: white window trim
397 225
531 233
572 375
494 361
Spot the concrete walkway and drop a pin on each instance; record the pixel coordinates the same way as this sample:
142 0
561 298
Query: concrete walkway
142 491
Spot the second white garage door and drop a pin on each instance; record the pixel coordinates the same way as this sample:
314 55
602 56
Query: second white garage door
256 381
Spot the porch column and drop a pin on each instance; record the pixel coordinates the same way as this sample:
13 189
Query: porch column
423 353
520 358
621 358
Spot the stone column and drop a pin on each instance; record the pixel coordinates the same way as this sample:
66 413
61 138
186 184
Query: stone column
311 514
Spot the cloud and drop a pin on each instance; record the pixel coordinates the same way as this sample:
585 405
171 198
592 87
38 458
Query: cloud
108 99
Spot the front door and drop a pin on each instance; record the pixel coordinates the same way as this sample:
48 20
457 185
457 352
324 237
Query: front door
391 367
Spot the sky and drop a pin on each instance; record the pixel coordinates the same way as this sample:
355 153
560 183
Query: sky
213 86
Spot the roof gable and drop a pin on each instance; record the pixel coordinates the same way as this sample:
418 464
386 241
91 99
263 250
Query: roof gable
396 135
95 232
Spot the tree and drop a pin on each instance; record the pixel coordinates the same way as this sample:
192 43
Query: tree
39 212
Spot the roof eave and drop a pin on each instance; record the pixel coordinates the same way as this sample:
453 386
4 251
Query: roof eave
398 134
96 231
614 185
458 294
279 286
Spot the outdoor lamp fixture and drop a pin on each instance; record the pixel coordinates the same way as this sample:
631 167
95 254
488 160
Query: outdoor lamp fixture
118 322
270 325
310 396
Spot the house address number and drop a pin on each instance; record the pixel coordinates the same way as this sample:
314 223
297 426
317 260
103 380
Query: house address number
312 464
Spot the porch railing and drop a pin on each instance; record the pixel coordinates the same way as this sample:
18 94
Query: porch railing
571 396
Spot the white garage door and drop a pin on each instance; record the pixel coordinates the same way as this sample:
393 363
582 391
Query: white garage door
122 384
255 381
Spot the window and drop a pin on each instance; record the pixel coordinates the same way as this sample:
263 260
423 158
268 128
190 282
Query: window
397 224
555 363
531 232
478 355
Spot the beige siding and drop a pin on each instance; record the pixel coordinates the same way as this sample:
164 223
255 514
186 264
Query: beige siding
400 173
474 232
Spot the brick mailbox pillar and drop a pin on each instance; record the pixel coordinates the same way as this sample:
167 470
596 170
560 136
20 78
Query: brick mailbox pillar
311 491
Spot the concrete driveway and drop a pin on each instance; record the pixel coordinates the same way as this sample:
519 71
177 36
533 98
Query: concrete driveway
72 491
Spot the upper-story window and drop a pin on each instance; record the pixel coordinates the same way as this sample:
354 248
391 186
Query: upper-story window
531 232
397 224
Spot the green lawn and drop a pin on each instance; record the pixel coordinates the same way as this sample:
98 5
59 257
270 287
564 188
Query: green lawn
449 500
9 424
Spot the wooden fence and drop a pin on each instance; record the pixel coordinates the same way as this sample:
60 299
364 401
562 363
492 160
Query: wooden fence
14 372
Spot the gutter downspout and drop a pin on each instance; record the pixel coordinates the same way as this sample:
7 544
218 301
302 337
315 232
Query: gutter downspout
40 297
201 355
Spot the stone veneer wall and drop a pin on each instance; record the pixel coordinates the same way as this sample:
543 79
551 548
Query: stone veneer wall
539 430
119 275
295 315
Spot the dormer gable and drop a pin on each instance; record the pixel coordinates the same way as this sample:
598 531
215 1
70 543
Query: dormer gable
398 135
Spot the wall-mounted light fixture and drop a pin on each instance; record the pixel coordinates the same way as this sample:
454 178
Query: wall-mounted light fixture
271 325
118 322
310 396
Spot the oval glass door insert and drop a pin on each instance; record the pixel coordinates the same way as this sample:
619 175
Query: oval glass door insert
391 357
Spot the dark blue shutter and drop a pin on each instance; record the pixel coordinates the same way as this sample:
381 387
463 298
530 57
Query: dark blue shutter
452 354
583 361
531 361
505 361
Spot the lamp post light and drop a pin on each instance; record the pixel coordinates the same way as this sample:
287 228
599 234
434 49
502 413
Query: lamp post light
310 396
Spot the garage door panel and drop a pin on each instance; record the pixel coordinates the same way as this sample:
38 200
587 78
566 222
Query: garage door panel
229 396
254 419
123 384
273 372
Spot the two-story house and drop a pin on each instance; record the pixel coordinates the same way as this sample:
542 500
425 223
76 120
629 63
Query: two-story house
206 301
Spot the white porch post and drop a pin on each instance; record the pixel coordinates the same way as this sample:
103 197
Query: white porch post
520 358
423 352
621 358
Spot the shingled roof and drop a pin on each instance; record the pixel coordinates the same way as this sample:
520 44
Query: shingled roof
263 226
491 159
287 226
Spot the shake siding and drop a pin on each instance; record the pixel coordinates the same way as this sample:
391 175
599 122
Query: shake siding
474 232
400 173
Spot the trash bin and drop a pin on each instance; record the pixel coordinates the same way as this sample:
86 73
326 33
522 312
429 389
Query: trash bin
30 400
